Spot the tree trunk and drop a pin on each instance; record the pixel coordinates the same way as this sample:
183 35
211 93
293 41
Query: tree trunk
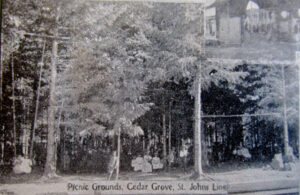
62 164
204 149
57 141
197 130
119 154
1 98
24 142
14 106
26 132
197 112
37 105
50 167
1 67
298 61
149 140
285 123
164 138
143 143
2 152
170 131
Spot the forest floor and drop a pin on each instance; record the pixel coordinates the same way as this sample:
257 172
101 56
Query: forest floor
242 179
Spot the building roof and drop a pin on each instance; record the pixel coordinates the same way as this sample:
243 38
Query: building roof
238 7
279 4
235 7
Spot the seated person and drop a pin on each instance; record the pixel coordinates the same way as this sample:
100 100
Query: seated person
147 157
156 163
22 165
137 163
147 167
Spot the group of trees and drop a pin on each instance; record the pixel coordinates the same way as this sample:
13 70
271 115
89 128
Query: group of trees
75 65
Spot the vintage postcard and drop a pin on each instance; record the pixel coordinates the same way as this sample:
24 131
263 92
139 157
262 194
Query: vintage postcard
149 97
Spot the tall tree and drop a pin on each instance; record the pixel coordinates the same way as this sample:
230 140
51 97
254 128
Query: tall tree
23 33
37 103
279 95
14 107
50 166
158 45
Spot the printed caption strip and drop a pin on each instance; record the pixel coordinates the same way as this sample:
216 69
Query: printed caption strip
148 187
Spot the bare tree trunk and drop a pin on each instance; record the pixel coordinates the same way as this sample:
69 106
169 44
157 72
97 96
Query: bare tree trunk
143 143
37 105
170 139
119 154
62 150
1 84
14 106
298 61
58 130
59 116
1 94
26 133
197 130
205 161
2 152
149 138
164 138
24 129
1 65
50 167
170 131
24 143
285 123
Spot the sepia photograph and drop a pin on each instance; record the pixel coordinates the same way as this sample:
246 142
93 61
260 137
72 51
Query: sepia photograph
149 97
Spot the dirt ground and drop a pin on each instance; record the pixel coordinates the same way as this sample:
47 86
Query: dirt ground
229 172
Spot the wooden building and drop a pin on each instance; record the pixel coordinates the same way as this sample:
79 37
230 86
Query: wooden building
233 22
